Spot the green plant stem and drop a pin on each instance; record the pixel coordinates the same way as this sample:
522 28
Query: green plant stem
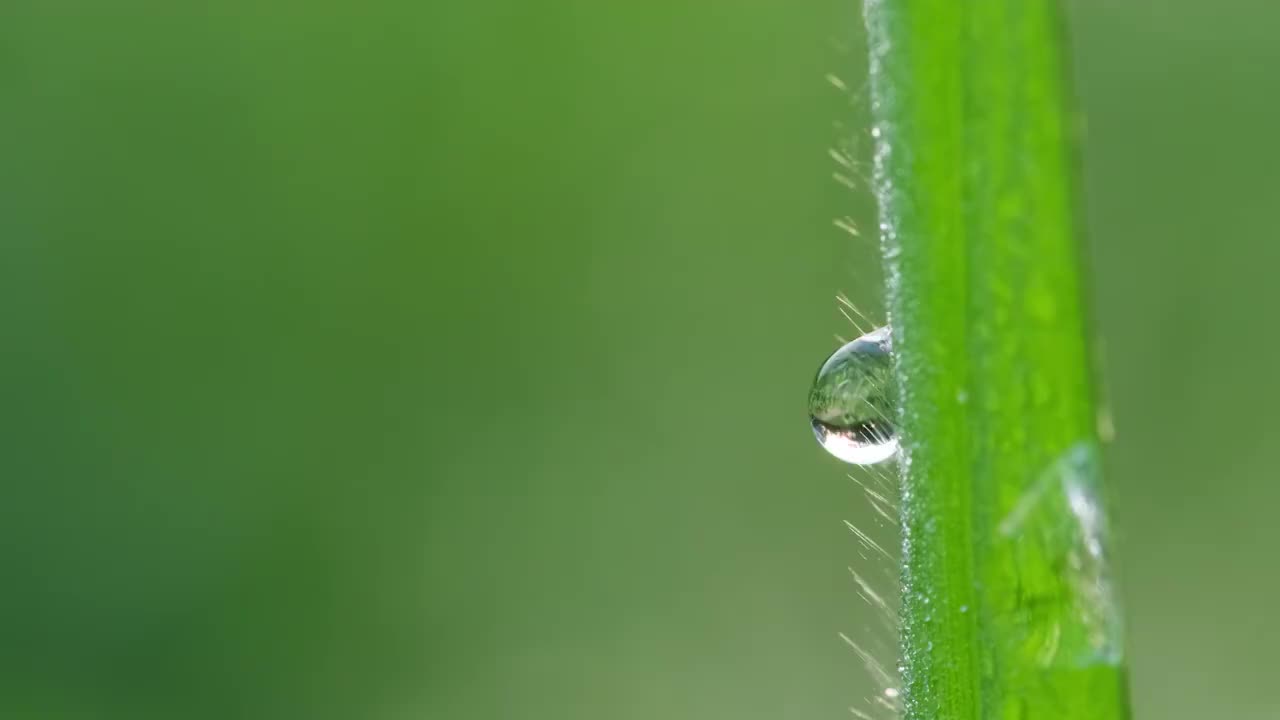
1009 603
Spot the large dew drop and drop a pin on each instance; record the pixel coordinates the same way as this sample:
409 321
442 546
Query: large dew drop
853 400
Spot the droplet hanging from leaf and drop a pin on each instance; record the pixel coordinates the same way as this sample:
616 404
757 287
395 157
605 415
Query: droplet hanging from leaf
853 400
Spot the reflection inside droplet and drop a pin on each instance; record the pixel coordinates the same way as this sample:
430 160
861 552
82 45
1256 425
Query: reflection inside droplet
866 444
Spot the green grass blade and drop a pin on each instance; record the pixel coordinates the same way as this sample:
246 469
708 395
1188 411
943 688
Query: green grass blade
1009 602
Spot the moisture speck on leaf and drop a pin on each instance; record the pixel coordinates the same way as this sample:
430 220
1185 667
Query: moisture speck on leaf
1071 615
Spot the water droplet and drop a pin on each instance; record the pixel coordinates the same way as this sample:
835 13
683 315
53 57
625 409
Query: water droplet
853 400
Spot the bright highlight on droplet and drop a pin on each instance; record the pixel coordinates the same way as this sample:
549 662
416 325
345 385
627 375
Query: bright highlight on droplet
853 399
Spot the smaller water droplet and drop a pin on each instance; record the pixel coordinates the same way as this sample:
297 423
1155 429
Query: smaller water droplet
853 399
891 693
964 608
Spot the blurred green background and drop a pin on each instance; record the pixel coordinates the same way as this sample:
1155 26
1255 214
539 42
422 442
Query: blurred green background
447 360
